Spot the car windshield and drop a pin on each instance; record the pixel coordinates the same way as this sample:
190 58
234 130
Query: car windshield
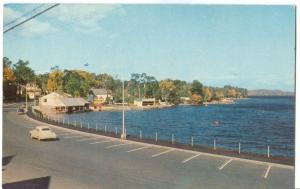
45 129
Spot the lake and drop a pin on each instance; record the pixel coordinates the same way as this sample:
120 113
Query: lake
255 122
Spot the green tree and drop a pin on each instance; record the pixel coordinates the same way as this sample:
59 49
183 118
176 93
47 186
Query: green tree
42 81
196 88
24 74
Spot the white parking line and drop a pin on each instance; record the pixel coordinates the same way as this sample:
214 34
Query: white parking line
85 139
267 171
104 141
75 136
190 158
116 145
224 164
164 152
136 149
65 134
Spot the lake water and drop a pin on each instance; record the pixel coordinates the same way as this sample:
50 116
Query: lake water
255 122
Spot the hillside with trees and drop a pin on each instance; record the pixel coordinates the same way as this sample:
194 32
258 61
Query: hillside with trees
79 82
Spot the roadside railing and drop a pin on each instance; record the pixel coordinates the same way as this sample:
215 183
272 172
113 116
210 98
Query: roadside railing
216 145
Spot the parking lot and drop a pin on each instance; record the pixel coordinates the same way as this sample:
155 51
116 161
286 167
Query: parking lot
137 165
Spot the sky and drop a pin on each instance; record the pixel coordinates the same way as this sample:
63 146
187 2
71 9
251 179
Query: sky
246 46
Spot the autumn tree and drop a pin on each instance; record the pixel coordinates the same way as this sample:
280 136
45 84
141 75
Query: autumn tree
207 94
55 81
168 92
9 86
8 73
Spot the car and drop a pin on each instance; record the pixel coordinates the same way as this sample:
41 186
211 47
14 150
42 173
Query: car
21 111
42 133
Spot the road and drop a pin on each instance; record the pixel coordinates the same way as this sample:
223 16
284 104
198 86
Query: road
81 160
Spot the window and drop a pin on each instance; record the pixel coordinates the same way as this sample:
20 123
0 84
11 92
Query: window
45 100
45 129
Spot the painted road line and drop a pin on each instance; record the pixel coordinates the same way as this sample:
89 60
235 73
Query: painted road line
66 134
267 171
224 164
103 141
75 136
61 132
190 158
85 139
164 152
136 149
116 145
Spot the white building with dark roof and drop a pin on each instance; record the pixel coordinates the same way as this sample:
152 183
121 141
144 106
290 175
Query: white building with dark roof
101 95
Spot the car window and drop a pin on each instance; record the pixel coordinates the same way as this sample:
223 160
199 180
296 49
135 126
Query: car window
45 129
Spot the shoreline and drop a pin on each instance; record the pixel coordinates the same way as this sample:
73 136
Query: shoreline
133 107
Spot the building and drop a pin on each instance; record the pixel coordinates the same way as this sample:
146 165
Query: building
185 100
100 96
145 102
57 103
33 91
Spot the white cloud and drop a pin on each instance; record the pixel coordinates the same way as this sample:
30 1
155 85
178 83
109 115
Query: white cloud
85 17
31 28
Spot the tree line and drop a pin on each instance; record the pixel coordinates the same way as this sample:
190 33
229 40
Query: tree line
78 83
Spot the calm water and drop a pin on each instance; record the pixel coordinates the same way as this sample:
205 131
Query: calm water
255 122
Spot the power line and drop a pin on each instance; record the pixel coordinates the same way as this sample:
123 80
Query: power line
13 21
30 18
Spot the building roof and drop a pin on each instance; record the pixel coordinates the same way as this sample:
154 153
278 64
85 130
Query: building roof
60 100
74 101
99 91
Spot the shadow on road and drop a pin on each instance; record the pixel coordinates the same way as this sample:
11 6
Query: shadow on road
37 183
6 160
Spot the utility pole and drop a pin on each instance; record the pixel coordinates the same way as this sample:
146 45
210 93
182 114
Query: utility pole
123 135
26 98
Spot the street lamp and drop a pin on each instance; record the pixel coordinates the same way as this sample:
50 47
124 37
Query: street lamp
123 135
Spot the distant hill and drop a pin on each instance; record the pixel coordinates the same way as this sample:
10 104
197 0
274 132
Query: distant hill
266 92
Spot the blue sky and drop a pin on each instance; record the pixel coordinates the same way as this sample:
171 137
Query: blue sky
245 46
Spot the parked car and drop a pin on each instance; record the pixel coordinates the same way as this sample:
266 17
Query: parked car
21 111
42 133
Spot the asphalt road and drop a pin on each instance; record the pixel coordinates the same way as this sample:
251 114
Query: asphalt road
81 160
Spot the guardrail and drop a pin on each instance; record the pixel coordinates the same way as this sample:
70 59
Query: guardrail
213 145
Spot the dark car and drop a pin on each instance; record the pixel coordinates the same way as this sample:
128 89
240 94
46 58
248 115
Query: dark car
21 111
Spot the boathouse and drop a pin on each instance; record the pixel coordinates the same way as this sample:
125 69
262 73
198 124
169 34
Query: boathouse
57 103
145 102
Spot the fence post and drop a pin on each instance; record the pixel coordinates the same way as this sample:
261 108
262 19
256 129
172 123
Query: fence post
172 138
268 151
141 135
96 126
214 144
156 136
88 126
63 121
239 147
116 131
80 124
105 128
192 141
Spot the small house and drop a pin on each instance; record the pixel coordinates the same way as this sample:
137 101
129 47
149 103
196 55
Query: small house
100 96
